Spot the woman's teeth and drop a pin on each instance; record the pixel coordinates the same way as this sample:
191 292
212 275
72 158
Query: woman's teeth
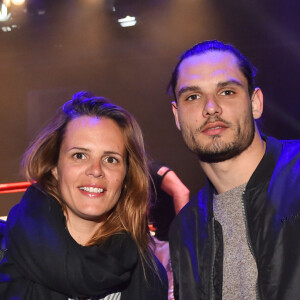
92 190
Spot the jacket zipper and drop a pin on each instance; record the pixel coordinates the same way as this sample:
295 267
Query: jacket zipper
213 260
248 240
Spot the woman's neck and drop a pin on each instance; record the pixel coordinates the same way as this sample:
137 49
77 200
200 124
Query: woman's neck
80 229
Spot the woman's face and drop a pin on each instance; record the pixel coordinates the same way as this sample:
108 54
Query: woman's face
91 167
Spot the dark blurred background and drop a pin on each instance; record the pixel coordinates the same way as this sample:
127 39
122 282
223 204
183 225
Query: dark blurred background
50 49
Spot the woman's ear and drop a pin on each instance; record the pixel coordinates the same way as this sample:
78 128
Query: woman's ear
54 172
257 102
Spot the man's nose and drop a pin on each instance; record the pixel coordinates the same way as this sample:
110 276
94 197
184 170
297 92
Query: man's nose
211 107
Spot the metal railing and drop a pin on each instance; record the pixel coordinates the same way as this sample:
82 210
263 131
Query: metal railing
14 187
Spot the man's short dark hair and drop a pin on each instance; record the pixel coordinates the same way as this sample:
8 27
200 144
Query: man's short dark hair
245 65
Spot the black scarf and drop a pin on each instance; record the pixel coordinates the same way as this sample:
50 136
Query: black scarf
44 262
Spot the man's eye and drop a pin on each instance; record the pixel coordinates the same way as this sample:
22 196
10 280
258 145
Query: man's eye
192 97
79 156
227 93
111 160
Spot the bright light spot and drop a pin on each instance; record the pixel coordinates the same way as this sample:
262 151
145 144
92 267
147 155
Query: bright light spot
6 2
4 15
6 29
127 22
9 28
17 2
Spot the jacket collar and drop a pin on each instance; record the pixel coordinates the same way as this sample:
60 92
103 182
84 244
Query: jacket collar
265 168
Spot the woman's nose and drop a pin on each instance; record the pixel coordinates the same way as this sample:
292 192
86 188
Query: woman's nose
95 169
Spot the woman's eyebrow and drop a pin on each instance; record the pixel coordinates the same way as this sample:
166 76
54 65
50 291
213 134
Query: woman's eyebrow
113 153
78 149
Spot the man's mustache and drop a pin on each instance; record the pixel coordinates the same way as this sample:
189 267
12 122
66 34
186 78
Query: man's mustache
212 120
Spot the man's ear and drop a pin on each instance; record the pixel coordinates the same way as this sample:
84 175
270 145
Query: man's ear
257 102
54 172
175 112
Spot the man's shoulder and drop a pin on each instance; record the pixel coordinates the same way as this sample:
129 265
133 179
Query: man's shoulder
290 149
278 150
291 144
195 208
198 199
285 143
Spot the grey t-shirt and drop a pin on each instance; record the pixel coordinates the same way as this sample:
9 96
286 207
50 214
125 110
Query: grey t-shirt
239 266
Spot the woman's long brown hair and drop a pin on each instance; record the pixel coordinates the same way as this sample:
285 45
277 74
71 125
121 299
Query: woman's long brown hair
130 212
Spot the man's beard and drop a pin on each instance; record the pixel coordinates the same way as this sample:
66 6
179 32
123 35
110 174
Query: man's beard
218 150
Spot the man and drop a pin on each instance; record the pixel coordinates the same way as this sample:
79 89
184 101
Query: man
239 237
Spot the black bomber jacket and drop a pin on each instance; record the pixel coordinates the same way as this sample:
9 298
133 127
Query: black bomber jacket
272 215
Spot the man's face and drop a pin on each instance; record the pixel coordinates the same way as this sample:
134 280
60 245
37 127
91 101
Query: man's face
213 109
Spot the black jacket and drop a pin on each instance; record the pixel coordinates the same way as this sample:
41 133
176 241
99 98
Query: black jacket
2 240
272 215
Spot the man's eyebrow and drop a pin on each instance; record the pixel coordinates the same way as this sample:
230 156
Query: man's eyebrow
229 82
192 88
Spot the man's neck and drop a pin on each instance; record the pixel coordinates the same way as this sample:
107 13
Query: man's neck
231 173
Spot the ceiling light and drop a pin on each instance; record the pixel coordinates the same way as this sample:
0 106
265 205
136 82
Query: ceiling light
17 2
6 2
127 22
4 15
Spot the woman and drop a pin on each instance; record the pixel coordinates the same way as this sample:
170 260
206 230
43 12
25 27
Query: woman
80 232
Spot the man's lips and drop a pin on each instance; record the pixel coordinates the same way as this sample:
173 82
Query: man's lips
214 128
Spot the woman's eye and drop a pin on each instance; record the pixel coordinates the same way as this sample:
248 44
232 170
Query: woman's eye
79 156
192 97
111 160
